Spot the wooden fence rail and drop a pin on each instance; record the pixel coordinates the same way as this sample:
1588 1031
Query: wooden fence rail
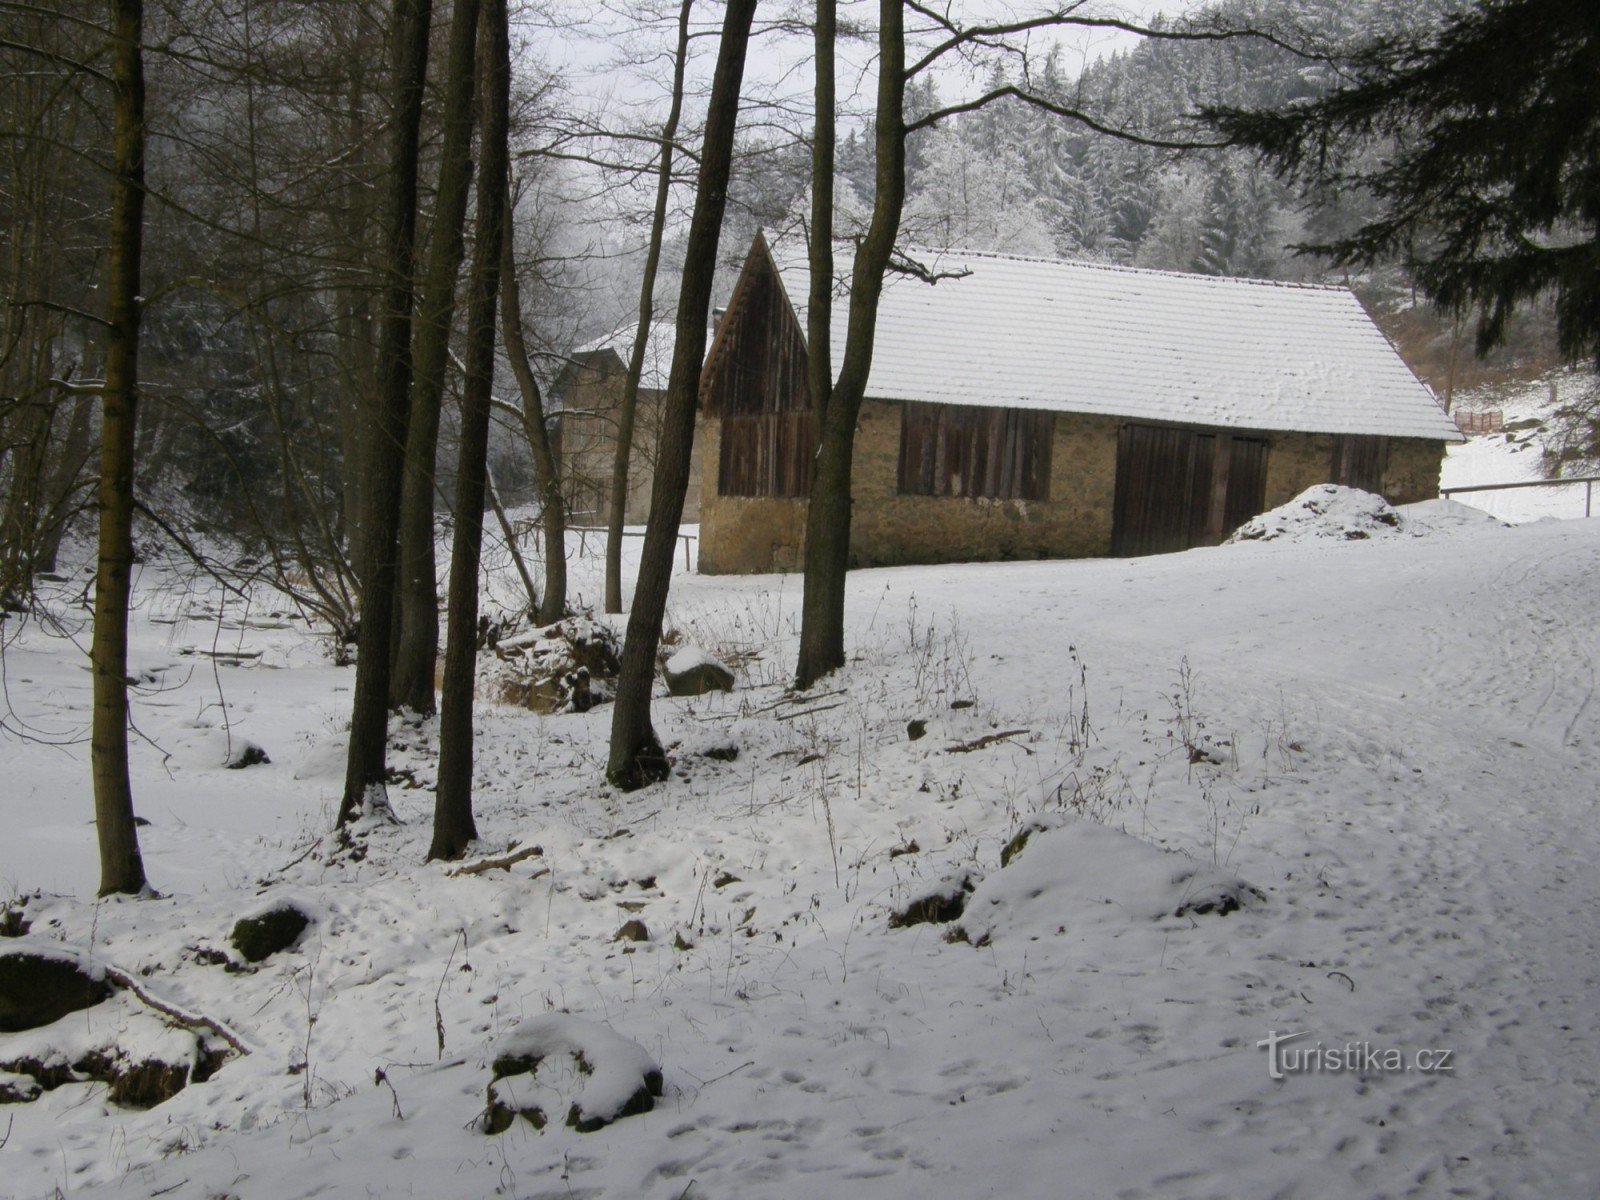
1588 482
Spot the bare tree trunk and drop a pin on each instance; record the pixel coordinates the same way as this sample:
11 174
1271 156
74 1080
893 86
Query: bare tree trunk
417 649
636 756
819 303
546 471
121 864
453 826
616 511
828 515
365 768
510 535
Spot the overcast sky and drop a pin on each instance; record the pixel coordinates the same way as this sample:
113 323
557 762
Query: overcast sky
588 51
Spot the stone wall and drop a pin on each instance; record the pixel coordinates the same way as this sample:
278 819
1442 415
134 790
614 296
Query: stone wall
1413 472
762 534
592 398
742 535
1296 461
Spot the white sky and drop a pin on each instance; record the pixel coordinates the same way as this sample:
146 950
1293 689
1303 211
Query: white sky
592 46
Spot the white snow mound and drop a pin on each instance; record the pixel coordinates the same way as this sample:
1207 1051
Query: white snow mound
1084 873
1326 511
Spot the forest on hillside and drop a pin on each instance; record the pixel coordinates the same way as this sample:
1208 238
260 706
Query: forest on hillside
262 264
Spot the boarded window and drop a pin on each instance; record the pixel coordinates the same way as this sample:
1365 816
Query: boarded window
766 454
962 450
1359 462
1178 488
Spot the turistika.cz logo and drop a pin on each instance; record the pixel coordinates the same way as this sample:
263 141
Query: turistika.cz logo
1286 1055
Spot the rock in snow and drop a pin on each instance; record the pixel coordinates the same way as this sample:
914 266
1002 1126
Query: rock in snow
42 981
1084 873
693 672
619 1078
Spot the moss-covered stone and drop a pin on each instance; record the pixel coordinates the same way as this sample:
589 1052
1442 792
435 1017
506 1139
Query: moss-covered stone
258 937
37 988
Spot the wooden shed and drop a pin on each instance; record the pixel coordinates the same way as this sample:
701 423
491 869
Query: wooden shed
1027 408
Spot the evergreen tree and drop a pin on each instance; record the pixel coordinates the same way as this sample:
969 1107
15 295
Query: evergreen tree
1489 186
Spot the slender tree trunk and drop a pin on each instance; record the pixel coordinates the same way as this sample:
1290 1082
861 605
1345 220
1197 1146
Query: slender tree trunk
121 865
354 323
365 768
819 303
417 648
828 515
453 827
546 470
510 535
636 756
617 509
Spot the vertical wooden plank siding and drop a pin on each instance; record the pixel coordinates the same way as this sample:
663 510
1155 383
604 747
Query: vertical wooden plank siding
755 383
1359 461
759 365
1247 483
971 452
766 454
1178 488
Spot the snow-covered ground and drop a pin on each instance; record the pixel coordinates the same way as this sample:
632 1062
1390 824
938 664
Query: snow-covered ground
1383 750
1515 454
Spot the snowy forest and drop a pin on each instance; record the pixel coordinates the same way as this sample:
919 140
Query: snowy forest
383 819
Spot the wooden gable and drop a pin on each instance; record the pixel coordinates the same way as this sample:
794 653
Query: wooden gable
757 362
755 382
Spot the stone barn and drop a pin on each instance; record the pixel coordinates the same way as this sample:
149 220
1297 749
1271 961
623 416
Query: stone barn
1024 408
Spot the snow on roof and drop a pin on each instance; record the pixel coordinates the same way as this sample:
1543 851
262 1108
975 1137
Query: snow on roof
657 351
1156 345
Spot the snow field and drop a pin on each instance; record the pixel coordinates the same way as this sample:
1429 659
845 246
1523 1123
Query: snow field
1392 739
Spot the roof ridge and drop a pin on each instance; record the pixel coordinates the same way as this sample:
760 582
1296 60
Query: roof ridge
1124 269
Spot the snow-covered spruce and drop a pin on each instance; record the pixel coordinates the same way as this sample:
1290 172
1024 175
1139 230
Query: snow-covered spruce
617 1077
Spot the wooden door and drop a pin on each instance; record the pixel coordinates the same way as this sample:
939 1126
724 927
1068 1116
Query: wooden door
1178 488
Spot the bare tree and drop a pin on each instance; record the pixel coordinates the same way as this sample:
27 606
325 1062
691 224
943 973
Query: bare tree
827 549
417 644
535 427
636 757
828 514
364 788
616 510
121 864
453 826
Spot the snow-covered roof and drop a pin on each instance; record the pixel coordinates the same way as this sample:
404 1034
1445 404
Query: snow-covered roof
657 351
1156 345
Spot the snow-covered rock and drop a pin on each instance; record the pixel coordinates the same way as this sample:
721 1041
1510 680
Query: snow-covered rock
1083 873
694 672
617 1077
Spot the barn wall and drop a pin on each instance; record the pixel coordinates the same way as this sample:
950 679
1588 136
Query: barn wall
891 529
1413 472
592 396
1297 461
739 535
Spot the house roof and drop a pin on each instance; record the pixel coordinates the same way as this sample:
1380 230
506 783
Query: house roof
1155 345
657 351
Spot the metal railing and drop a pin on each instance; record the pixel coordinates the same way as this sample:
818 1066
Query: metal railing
1588 482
